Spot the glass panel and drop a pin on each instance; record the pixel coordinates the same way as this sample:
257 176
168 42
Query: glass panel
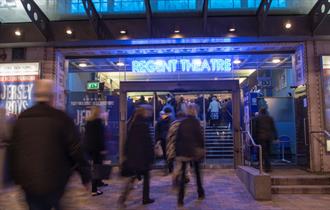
326 88
12 11
176 5
74 9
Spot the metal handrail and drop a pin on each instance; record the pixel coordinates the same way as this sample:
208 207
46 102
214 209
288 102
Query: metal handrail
324 145
325 132
253 143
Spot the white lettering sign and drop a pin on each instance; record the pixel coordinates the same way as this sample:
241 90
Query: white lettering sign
19 69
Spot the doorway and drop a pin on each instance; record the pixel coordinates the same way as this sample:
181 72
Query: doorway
222 133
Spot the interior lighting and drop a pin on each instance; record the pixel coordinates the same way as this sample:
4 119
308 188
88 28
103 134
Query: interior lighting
120 64
288 25
18 32
123 32
176 31
276 60
83 65
237 61
232 29
69 31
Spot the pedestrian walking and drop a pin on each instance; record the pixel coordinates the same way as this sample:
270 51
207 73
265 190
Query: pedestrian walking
190 148
214 111
162 127
139 155
95 145
44 149
264 132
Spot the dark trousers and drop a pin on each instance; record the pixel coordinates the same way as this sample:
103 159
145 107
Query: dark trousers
200 189
266 154
169 164
129 186
97 159
47 202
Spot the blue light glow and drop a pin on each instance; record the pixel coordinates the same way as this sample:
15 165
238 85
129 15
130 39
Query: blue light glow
182 65
239 4
172 5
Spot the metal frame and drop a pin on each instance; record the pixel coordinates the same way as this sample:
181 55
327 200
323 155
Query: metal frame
319 13
148 16
252 142
205 14
262 13
182 86
95 20
39 19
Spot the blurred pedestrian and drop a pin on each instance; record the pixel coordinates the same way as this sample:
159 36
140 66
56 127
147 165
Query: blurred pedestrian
264 132
162 127
214 110
190 148
139 155
44 149
95 144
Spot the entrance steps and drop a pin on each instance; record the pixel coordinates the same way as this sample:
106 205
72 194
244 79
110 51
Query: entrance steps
301 184
219 142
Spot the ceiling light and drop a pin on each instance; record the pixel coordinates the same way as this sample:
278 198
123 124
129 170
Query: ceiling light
232 29
276 60
237 61
288 25
123 32
69 32
176 31
120 64
18 33
82 65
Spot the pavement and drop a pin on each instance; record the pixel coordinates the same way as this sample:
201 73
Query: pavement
224 191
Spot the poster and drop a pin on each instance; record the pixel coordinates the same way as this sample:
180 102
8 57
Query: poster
79 106
16 86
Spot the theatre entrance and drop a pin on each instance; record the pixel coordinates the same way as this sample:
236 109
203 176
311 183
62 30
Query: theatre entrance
218 107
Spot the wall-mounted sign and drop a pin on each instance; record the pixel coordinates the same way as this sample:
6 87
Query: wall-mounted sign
16 85
182 65
93 85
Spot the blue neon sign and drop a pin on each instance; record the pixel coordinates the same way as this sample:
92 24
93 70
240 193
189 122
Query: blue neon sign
182 65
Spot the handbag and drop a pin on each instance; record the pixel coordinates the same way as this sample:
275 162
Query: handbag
101 171
158 150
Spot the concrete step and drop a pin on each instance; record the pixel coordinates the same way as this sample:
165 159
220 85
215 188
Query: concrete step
300 180
301 189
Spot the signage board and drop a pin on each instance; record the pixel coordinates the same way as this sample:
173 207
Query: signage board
182 65
16 86
93 85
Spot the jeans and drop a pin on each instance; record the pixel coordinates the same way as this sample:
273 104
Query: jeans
200 188
44 202
97 159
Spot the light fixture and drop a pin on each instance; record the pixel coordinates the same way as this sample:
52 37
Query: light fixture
69 31
18 32
237 61
288 25
232 29
83 65
176 31
123 32
276 60
120 63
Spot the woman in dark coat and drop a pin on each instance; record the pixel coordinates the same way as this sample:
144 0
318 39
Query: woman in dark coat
95 144
139 154
190 148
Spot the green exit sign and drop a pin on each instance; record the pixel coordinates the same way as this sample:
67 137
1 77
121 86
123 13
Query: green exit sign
93 86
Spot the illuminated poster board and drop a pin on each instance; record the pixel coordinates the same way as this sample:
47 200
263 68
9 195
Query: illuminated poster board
16 85
326 94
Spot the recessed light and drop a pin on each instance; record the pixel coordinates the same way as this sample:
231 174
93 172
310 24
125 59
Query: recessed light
232 29
120 64
69 32
237 61
123 32
288 25
276 60
177 31
18 33
82 65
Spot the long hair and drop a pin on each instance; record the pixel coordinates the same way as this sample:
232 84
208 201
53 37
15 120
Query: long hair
95 113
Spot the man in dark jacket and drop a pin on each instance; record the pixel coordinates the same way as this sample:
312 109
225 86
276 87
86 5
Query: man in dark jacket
264 132
190 148
44 150
161 131
139 154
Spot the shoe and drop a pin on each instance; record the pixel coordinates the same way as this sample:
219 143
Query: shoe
97 193
148 201
201 195
180 203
